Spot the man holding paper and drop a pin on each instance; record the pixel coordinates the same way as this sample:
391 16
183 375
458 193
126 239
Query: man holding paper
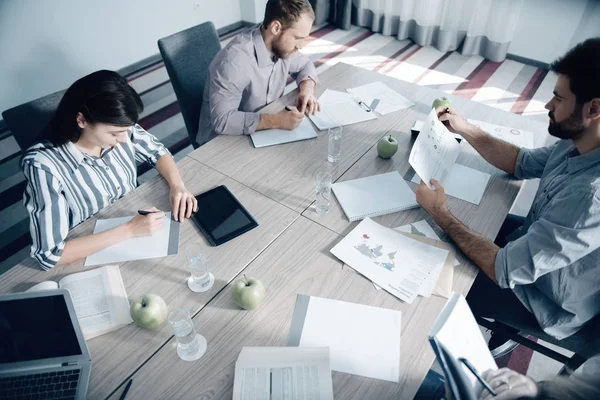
252 71
548 274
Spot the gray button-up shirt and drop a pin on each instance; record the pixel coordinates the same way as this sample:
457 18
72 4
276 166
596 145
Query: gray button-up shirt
243 78
553 264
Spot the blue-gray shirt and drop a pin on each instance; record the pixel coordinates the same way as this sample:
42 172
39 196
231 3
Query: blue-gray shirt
553 264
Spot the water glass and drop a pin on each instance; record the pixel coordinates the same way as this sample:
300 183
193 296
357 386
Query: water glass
323 191
190 345
335 144
200 279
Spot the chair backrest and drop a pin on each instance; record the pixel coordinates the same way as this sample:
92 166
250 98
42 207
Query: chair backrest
28 121
187 56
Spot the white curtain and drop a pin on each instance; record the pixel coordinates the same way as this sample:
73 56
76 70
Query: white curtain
484 27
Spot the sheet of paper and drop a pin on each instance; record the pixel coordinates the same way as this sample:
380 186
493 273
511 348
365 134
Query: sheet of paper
434 152
163 243
381 98
518 137
339 109
283 373
421 228
271 137
398 264
457 330
363 340
464 183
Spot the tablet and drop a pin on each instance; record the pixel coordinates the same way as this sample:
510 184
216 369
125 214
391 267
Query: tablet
221 217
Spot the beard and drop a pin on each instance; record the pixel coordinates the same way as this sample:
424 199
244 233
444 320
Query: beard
279 51
570 128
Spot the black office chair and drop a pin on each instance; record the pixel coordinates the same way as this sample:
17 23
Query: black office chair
584 344
187 56
28 121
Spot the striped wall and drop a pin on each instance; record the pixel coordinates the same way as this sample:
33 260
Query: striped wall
509 85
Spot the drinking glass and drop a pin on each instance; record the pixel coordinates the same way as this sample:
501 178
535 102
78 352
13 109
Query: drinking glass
200 279
335 144
190 345
323 191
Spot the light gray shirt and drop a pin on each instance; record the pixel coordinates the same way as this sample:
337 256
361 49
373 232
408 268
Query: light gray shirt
242 79
553 263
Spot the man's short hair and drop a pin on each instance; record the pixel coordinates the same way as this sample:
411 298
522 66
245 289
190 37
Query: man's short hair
581 65
287 12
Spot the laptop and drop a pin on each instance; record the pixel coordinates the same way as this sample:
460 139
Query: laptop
42 350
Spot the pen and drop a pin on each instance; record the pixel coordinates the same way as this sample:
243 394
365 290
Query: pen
144 212
479 378
362 103
288 108
126 390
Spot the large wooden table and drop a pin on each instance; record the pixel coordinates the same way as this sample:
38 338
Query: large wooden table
289 252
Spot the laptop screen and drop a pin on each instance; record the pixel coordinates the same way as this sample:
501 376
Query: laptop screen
36 328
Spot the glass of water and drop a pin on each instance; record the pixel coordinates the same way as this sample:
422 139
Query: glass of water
190 345
200 279
335 144
323 191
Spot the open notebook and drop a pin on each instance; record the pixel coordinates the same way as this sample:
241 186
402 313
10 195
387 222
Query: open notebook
374 196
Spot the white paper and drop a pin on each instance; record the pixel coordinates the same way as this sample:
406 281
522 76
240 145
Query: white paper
139 248
464 183
397 263
363 340
422 228
518 137
339 109
282 373
457 330
271 137
387 99
434 152
99 298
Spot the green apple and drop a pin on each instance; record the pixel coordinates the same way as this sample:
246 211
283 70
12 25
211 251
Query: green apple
248 293
443 102
149 311
387 147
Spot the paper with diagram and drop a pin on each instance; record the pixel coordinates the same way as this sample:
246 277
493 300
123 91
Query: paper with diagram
518 137
339 109
421 228
398 264
434 152
381 98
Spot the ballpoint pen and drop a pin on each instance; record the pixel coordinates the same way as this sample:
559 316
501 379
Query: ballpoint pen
477 375
145 212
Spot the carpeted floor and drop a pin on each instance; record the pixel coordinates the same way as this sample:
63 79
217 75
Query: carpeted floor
510 86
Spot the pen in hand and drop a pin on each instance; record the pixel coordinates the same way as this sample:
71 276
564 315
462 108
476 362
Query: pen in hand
477 375
145 212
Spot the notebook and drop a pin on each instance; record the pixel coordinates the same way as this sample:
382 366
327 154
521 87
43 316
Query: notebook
271 137
374 196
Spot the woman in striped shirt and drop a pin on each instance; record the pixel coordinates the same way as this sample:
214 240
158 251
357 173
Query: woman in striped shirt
86 161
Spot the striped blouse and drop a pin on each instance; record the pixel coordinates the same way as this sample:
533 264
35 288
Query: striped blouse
66 186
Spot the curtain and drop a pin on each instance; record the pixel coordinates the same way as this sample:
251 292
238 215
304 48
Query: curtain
484 27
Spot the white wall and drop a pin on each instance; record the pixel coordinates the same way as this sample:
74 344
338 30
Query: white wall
589 26
546 28
253 10
46 45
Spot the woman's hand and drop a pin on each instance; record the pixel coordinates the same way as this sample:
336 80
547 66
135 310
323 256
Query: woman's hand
183 203
147 225
509 385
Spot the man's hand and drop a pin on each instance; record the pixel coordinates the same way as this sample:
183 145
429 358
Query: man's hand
306 102
289 120
453 121
509 385
432 201
183 203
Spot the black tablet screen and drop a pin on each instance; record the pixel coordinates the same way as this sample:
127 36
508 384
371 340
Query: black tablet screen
221 217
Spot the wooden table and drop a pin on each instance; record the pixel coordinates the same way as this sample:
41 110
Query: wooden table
289 252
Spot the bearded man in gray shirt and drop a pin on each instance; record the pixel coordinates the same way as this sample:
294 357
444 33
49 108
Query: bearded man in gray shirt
547 273
252 71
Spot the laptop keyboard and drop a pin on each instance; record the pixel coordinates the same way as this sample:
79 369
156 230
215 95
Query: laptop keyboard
50 385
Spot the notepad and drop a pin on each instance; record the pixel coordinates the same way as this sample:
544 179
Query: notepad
271 137
374 196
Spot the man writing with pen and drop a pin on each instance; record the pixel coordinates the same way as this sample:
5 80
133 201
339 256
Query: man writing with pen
252 71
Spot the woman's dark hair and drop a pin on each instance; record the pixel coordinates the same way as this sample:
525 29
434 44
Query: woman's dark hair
102 97
581 65
287 12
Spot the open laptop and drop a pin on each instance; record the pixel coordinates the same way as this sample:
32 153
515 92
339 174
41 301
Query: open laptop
42 350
